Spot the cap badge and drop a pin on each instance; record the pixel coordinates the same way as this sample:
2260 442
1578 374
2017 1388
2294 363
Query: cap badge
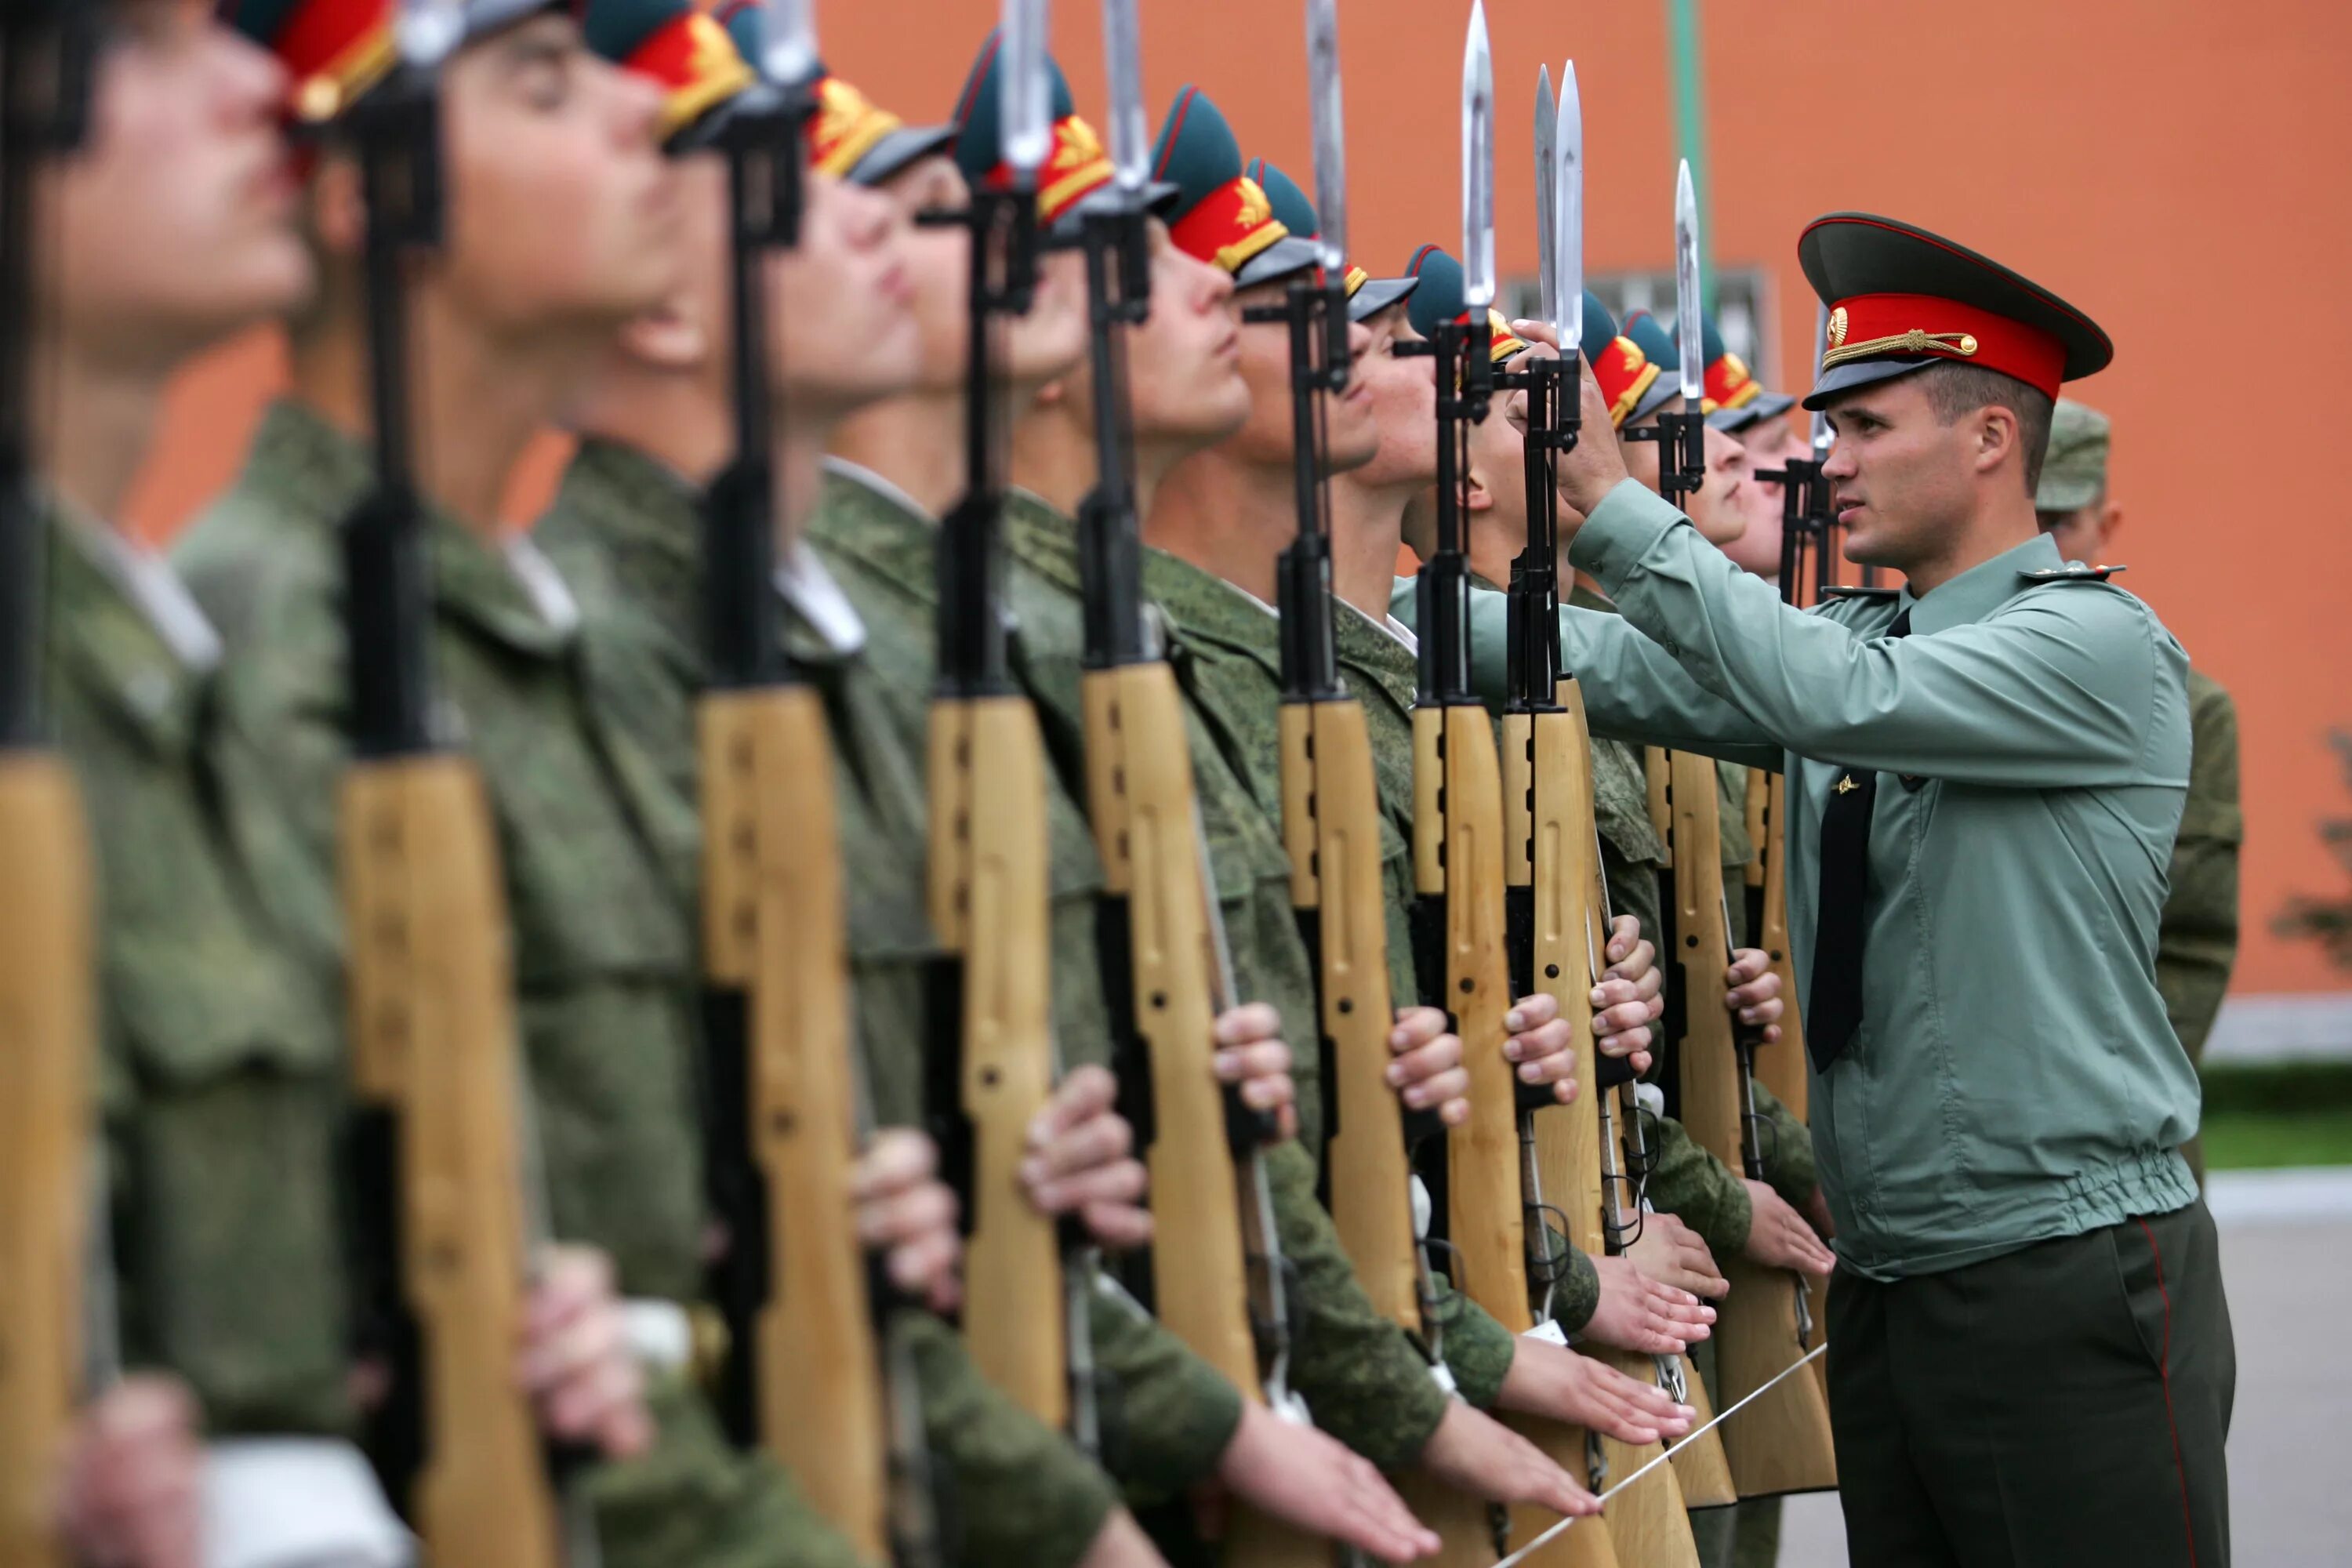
1837 327
1845 786
1255 207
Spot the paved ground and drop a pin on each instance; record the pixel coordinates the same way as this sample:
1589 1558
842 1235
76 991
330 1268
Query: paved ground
2287 1252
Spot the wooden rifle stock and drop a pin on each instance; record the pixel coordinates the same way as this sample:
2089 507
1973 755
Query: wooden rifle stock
1139 790
990 902
1781 1442
1783 1070
434 1045
48 1071
1704 1469
772 930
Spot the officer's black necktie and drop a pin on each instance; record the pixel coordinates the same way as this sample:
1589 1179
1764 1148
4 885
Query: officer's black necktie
1839 929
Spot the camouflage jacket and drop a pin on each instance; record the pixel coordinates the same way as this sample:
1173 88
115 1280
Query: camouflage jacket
222 1071
604 987
627 534
1366 1383
2197 942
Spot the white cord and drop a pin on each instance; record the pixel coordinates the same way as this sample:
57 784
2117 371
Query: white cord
1529 1550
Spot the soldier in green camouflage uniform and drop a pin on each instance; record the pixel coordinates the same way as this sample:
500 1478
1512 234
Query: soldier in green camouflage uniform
2196 940
222 1071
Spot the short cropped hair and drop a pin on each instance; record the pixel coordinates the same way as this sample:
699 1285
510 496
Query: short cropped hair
1954 389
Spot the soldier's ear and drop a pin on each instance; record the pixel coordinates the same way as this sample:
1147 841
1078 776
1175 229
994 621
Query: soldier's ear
668 337
337 207
1481 497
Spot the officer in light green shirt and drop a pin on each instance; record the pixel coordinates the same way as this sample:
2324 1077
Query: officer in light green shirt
1987 768
2197 942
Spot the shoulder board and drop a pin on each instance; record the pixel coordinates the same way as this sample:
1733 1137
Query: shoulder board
1861 593
2073 572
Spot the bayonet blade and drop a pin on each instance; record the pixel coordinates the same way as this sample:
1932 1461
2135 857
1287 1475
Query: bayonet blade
1331 132
1131 132
1686 296
788 50
1026 106
1568 249
1821 437
1547 197
1478 166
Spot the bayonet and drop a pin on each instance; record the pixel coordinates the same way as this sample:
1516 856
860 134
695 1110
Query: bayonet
1547 197
1026 108
1567 246
1131 132
1688 305
789 56
1477 173
1331 132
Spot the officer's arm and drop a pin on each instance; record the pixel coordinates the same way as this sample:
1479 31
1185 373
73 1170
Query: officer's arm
1633 690
2060 689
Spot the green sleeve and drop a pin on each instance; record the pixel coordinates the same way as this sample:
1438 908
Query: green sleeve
1577 1294
696 1503
1167 1414
2197 942
1972 704
1022 1496
1477 1348
1363 1381
1788 1149
1696 1188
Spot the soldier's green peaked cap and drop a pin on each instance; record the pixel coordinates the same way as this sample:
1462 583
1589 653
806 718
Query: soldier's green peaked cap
2074 473
1901 299
1735 399
334 50
1221 215
1367 296
1437 299
848 137
1077 177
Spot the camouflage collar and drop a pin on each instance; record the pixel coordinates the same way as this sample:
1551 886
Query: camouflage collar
101 639
1370 650
1204 608
646 523
864 517
1043 539
312 474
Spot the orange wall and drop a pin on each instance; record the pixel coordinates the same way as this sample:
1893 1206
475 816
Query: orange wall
2160 163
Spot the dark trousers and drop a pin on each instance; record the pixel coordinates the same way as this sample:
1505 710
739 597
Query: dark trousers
2064 1407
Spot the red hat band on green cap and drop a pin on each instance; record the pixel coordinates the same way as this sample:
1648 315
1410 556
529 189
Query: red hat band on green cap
1074 170
1870 326
696 65
1624 372
1229 226
1730 383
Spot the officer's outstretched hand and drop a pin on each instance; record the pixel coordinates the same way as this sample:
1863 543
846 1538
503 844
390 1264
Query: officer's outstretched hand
1428 1070
1630 996
1081 1161
1673 1254
130 1494
1550 1380
1313 1480
906 1212
1638 1313
1251 1053
1755 993
1778 1236
1594 466
1473 1452
576 1363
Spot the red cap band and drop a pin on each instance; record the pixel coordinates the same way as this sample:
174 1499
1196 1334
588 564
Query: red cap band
1870 325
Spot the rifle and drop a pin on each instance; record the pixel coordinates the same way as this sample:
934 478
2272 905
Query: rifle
990 889
439 1135
1781 1442
1215 1272
819 1373
1330 828
49 1059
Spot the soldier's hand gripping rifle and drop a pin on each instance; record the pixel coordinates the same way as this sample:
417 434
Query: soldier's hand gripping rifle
48 1043
1027 1289
816 1372
440 1138
1216 1272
